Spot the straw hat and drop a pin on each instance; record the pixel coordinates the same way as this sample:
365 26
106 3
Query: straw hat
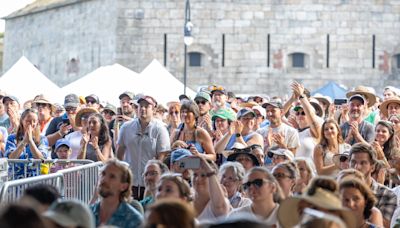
42 100
82 112
249 104
384 105
288 212
370 96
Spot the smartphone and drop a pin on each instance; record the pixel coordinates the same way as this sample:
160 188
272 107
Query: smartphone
65 119
119 111
340 101
189 163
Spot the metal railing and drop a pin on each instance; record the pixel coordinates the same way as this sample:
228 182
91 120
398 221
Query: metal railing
77 182
12 190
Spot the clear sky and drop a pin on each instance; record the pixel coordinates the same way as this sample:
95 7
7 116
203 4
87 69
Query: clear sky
9 6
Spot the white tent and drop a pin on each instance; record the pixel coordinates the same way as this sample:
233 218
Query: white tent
25 81
161 84
107 82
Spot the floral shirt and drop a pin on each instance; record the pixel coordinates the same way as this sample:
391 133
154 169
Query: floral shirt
124 216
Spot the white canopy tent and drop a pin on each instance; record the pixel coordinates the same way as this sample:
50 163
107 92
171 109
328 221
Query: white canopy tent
24 81
161 84
107 82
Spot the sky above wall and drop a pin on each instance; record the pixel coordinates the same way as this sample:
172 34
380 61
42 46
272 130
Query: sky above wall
9 6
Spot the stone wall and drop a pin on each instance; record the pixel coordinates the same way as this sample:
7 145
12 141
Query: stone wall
131 32
66 42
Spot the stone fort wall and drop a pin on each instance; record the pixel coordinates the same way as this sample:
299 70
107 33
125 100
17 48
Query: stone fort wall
260 36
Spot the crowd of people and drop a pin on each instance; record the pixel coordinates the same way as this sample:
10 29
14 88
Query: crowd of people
215 160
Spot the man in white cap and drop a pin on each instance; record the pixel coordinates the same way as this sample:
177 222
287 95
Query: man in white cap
357 129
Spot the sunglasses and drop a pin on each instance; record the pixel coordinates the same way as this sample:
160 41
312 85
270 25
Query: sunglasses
258 183
105 112
91 102
201 102
343 158
300 113
70 109
41 105
172 113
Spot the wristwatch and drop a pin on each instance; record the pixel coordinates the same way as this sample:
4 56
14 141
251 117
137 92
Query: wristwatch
238 135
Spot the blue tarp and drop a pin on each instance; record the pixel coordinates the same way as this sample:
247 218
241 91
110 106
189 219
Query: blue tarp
332 89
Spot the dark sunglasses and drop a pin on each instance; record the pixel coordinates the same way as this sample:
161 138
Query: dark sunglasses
176 113
201 102
258 183
300 113
70 109
91 102
41 105
108 112
343 158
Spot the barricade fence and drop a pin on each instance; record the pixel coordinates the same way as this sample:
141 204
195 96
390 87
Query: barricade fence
77 180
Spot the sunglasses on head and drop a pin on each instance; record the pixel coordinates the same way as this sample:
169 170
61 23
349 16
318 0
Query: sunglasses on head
300 113
258 183
214 87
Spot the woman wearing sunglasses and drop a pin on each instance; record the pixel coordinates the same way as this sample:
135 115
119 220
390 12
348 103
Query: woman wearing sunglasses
174 116
330 143
286 174
265 193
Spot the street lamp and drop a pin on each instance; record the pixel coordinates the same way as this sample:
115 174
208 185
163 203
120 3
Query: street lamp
187 40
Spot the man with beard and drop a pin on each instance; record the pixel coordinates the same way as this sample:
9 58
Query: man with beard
356 129
152 173
219 99
114 189
125 112
278 134
142 139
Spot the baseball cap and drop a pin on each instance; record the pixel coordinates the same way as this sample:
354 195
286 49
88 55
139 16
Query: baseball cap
223 114
178 154
276 104
127 94
71 100
10 97
110 107
70 213
62 142
94 97
280 151
149 100
203 95
183 97
214 88
261 110
358 97
244 111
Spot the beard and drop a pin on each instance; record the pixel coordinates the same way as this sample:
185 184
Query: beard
355 115
218 103
105 192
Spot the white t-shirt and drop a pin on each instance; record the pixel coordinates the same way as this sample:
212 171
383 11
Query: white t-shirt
291 135
271 220
307 144
207 215
74 139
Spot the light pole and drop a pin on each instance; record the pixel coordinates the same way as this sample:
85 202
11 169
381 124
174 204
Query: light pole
187 39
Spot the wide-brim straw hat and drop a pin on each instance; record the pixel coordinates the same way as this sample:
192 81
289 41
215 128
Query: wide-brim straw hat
249 104
289 215
82 112
370 96
42 100
383 107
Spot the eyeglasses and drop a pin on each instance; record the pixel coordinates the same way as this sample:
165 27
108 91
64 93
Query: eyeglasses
300 113
150 173
281 175
203 102
70 109
258 183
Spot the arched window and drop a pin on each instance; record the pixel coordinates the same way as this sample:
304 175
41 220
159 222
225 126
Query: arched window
195 59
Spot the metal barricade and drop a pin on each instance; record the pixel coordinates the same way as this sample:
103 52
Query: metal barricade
14 189
80 182
23 168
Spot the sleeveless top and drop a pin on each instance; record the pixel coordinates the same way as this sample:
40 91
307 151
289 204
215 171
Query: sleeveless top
328 155
91 153
232 140
193 142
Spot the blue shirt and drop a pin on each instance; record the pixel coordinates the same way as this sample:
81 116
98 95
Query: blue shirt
31 170
124 216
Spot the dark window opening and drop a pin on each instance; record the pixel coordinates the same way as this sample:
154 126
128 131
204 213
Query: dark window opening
195 59
298 60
